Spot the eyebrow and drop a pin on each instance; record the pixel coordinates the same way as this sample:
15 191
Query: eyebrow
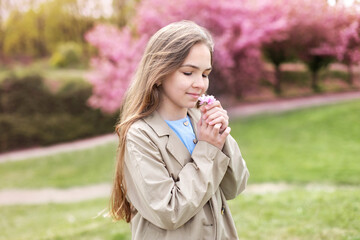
196 67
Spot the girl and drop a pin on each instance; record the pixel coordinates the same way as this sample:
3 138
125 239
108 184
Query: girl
177 165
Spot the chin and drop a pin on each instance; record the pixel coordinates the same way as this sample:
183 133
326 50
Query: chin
193 105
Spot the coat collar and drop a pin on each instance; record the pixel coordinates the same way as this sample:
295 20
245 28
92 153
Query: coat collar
174 144
159 125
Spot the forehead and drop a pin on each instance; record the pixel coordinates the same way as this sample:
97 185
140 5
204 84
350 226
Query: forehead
199 56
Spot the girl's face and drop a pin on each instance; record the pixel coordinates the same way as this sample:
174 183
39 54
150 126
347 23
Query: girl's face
181 89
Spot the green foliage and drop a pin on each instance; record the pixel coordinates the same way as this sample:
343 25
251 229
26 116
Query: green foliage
31 115
38 32
22 35
67 55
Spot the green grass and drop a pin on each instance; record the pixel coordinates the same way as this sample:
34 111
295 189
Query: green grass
298 214
91 166
295 214
316 145
60 222
312 145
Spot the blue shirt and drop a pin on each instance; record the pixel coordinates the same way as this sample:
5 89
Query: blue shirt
184 131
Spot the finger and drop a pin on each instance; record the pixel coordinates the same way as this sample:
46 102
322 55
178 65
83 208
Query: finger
212 111
225 133
216 129
223 127
214 104
217 118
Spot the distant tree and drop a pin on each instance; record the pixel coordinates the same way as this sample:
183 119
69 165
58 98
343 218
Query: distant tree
21 37
123 10
118 55
342 43
314 27
350 38
239 29
38 31
312 36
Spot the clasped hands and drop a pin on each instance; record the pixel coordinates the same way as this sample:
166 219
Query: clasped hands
213 127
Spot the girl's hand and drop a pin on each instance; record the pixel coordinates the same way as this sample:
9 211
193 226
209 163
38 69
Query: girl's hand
214 114
211 134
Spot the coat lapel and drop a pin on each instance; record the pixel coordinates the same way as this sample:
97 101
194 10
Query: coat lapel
173 145
176 148
195 116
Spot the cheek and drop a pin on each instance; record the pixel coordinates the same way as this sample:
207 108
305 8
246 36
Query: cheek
206 85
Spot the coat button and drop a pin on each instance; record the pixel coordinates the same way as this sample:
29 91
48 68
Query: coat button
195 141
186 123
222 211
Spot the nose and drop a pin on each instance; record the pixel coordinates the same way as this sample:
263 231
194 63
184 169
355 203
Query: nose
199 82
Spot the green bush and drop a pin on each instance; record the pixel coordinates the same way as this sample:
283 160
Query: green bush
30 115
67 54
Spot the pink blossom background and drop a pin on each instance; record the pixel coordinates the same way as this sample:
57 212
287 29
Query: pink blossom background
240 29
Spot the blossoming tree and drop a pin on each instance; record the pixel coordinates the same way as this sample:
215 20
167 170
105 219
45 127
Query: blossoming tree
239 28
242 29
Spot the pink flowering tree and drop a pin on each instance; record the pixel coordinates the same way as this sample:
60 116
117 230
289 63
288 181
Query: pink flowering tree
239 29
311 35
118 55
278 48
341 39
314 35
350 39
242 29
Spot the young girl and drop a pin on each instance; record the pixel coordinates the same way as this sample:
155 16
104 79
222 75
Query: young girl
177 165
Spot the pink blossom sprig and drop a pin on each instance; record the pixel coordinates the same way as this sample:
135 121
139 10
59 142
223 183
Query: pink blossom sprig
206 99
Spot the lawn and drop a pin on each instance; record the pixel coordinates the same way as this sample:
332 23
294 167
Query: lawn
295 214
312 145
317 145
63 170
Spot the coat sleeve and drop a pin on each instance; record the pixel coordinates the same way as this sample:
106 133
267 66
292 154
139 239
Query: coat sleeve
160 199
237 174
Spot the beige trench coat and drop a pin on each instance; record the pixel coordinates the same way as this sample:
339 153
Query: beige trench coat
176 195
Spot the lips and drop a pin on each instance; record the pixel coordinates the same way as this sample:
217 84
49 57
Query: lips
194 95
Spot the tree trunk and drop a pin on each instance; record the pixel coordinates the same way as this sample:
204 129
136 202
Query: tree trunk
314 81
351 75
278 79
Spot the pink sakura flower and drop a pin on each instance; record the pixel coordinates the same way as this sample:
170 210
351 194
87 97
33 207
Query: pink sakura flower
206 99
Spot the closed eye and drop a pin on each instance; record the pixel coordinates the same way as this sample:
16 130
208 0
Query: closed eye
205 76
187 73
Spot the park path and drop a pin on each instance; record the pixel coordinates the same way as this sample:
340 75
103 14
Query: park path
75 194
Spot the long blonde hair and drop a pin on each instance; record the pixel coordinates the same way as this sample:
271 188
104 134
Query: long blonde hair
164 54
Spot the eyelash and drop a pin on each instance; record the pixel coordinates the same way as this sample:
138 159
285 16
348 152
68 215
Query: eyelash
189 73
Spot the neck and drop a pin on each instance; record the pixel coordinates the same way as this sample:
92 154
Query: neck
167 113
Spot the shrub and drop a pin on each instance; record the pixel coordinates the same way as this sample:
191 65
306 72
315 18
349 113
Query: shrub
67 54
30 115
